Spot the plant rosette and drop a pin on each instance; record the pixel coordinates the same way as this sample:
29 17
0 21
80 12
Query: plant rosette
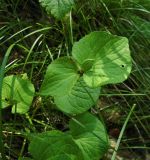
97 59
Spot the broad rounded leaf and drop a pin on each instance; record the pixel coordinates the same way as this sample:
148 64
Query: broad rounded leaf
79 99
60 77
90 135
110 57
54 145
18 92
58 8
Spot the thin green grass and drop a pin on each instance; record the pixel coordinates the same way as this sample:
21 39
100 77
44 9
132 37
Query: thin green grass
122 132
2 72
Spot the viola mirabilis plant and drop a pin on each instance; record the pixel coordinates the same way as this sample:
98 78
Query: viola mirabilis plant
74 82
97 59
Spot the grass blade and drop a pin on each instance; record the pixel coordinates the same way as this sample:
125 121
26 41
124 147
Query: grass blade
121 133
2 71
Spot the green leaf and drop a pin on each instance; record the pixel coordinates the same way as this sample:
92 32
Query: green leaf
60 77
18 92
110 57
79 99
54 145
63 157
90 135
86 140
58 8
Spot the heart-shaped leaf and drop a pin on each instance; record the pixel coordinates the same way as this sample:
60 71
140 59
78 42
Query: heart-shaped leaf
54 145
58 8
18 92
90 135
79 99
110 57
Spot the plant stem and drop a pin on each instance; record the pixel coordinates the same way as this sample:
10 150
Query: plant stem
2 72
